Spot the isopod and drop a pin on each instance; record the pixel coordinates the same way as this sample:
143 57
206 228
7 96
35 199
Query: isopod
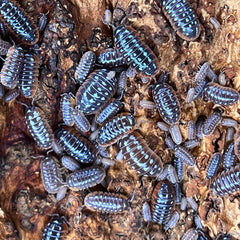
116 128
199 126
96 91
51 174
229 122
106 202
28 78
146 210
39 127
179 167
191 143
178 193
214 165
220 94
183 154
12 67
162 202
172 221
163 126
139 156
85 178
75 145
191 130
15 19
111 58
70 163
190 234
227 182
11 95
215 23
66 104
4 46
122 83
176 134
205 71
42 22
229 156
80 121
85 66
192 203
182 18
109 111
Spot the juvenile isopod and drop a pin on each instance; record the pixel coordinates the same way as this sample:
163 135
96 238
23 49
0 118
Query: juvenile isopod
184 155
28 78
70 163
214 164
139 156
191 130
192 203
122 83
42 22
229 122
182 18
75 145
178 192
199 126
116 128
179 166
227 182
205 71
229 156
176 134
162 202
80 121
221 95
146 210
85 66
85 178
12 67
191 143
11 95
16 19
96 91
172 221
215 23
163 126
66 104
190 234
106 202
51 174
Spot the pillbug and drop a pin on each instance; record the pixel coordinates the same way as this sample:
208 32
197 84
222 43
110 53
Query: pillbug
220 95
175 133
106 202
172 174
222 79
191 143
16 20
85 178
167 102
183 154
190 234
169 142
139 156
205 71
70 163
80 121
191 130
28 78
85 66
57 148
230 134
214 165
179 167
147 104
146 210
11 95
39 127
182 18
136 53
109 111
12 67
190 94
229 156
66 106
227 182
4 46
211 122
111 58
172 221
51 174
163 126
162 202
229 122
75 145
116 128
96 91
53 230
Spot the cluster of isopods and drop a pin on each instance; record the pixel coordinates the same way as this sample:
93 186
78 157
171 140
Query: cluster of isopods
94 111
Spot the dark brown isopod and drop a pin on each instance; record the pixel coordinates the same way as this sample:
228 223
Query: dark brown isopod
85 66
227 182
106 202
116 128
4 46
12 67
85 178
16 19
136 53
162 202
51 174
182 18
167 102
28 78
75 145
220 95
39 127
139 156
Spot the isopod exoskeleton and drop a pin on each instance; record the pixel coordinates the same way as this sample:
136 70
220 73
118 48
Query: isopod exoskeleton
162 202
182 18
227 182
85 178
136 53
106 202
139 156
96 91
75 145
85 66
12 67
116 128
28 78
39 127
51 174
16 20
220 95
